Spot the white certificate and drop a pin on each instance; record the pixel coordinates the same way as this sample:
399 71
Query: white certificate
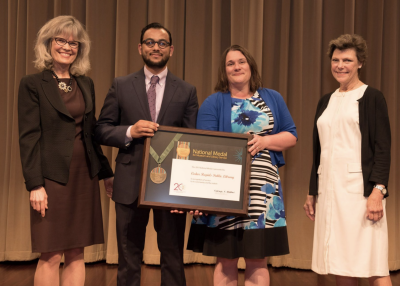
200 179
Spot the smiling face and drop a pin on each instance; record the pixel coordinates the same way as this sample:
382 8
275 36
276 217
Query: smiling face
63 56
238 71
344 66
155 58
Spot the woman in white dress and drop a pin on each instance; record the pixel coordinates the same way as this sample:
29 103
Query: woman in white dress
350 172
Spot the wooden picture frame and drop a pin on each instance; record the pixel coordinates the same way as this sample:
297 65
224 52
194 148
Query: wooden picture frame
223 154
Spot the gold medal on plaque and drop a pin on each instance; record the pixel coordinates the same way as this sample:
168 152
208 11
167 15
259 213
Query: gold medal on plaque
158 175
183 150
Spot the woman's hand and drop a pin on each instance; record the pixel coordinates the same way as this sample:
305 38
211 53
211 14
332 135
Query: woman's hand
108 185
258 143
276 142
374 205
309 207
38 200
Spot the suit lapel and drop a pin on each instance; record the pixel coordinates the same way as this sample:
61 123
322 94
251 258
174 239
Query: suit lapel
170 88
52 93
85 88
139 87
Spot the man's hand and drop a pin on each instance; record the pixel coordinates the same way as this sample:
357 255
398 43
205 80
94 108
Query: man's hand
143 128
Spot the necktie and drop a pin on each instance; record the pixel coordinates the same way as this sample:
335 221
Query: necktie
151 96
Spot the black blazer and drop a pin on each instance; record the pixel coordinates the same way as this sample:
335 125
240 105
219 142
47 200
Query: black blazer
125 104
375 141
47 131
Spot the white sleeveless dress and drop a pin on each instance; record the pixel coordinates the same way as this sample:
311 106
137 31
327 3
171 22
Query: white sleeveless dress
345 242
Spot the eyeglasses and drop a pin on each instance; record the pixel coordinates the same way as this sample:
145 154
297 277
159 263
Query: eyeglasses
162 44
62 42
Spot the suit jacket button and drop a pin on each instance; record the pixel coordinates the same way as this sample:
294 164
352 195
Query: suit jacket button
89 151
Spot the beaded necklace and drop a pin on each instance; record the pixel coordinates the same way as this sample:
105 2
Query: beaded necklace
62 85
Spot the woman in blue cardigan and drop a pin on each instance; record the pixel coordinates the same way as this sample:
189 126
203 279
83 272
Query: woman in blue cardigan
240 105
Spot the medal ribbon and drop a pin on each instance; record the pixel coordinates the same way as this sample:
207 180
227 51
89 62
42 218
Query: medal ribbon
160 159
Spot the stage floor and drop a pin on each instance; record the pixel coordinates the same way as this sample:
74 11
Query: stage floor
102 274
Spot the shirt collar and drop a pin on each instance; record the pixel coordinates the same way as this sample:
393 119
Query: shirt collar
162 75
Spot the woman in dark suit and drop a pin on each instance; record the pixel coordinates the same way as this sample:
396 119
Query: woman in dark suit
61 164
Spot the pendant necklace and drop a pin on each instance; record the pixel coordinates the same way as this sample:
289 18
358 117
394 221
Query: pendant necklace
62 85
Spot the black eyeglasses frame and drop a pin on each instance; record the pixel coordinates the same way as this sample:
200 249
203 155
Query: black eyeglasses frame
168 44
57 39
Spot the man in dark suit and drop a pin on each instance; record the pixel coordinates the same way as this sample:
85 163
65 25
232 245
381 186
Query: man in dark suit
134 107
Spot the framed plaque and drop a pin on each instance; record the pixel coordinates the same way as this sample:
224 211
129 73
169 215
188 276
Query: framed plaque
191 169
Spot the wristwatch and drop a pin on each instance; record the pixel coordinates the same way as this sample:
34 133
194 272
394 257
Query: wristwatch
381 188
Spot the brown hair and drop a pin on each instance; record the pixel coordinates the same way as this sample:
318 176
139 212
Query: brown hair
255 79
348 41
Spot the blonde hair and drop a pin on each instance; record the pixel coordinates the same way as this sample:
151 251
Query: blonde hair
62 25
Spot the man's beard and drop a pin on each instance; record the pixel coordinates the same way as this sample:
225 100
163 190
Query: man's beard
162 63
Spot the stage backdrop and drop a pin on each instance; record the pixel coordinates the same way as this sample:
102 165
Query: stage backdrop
289 40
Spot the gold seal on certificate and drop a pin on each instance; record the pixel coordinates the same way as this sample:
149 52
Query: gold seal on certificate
158 175
183 149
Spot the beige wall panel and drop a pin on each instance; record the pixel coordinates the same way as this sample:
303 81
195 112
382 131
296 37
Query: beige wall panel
246 26
197 46
221 37
4 156
16 245
174 21
390 78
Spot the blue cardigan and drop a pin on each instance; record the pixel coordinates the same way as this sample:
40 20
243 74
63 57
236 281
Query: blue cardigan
215 114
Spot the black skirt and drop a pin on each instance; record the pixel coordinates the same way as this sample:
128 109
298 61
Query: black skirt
247 243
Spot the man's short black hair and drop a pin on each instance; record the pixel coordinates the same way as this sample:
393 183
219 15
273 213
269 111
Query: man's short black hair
155 26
